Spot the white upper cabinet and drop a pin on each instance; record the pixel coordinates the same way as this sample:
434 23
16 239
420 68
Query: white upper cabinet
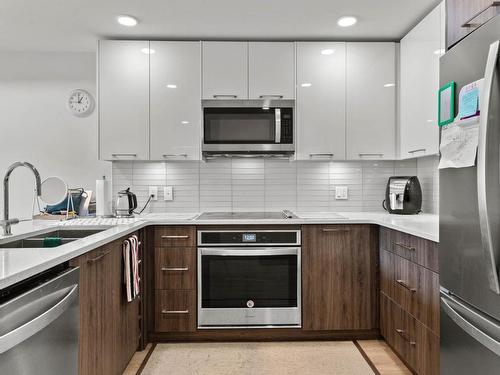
320 103
225 70
371 100
124 100
271 70
420 52
175 112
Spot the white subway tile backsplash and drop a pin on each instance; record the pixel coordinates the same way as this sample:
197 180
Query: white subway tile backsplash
271 185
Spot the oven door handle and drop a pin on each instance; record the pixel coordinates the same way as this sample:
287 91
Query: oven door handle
249 251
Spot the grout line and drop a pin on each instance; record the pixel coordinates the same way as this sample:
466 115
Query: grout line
366 358
146 359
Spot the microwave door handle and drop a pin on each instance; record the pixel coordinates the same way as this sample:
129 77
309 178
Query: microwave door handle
485 170
277 124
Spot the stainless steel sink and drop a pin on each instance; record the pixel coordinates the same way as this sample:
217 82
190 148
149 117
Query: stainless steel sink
66 235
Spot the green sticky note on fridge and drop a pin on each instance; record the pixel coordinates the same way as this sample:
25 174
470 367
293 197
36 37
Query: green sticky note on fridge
446 107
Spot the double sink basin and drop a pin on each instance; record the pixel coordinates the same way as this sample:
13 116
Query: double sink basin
37 241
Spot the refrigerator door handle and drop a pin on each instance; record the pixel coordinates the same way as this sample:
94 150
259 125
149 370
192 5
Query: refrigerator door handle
448 304
489 242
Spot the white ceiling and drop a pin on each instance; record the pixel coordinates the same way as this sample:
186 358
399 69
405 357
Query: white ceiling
75 25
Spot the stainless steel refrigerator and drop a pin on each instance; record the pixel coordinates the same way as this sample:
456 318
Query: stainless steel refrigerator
469 249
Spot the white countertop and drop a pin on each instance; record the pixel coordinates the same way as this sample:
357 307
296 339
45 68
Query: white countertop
19 264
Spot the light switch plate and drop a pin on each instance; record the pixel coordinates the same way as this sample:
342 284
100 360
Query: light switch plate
153 190
168 193
341 192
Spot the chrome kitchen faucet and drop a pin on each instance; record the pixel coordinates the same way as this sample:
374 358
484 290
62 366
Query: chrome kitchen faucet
6 223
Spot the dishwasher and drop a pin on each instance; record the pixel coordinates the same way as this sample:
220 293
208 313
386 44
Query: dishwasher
39 324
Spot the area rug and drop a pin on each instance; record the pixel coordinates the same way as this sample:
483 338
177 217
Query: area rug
273 358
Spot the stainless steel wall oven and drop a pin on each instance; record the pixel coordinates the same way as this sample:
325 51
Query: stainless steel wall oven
249 278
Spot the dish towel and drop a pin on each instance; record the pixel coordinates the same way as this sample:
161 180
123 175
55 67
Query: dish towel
131 262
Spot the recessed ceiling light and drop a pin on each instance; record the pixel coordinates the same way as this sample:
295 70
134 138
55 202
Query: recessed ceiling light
126 20
327 51
148 51
306 84
184 122
171 86
347 21
439 52
389 85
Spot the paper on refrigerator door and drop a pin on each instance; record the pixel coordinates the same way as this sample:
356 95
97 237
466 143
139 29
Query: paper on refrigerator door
459 145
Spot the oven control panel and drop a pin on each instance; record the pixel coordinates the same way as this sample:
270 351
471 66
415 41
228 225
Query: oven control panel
249 238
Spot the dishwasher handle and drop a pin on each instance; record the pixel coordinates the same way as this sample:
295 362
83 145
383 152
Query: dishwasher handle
32 327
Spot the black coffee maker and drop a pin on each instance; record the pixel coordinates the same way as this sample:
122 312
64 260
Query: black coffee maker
403 195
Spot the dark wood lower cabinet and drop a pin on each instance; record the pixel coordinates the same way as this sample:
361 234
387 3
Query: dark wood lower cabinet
109 326
415 344
175 310
339 277
409 299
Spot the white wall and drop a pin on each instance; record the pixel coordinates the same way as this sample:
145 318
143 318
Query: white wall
36 126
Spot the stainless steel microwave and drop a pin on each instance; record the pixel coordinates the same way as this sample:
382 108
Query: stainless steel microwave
248 128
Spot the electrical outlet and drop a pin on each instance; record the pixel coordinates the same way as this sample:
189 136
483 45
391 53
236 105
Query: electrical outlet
153 191
168 193
341 192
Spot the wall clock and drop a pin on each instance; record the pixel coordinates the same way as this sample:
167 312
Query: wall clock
81 103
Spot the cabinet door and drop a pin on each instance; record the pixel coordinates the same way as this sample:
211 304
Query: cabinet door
225 70
339 277
420 52
90 343
124 100
461 11
271 70
320 100
371 100
175 101
387 279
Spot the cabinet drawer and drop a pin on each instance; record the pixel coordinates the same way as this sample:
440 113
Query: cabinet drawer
416 289
175 310
416 249
411 340
175 268
175 236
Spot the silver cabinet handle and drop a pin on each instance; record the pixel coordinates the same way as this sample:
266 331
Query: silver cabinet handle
405 285
25 331
469 23
322 154
270 96
225 96
403 246
486 169
172 237
363 154
174 155
417 150
402 333
335 230
169 269
125 155
175 311
98 258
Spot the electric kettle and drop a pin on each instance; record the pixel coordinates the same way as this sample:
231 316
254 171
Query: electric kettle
126 203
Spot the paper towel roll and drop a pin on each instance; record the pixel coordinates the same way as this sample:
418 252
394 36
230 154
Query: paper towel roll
103 200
